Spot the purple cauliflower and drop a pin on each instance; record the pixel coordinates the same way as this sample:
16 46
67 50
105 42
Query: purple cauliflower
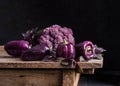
51 36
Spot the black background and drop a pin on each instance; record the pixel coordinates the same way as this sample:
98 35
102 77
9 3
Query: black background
95 20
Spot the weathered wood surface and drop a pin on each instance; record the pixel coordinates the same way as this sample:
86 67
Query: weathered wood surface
15 72
30 78
70 78
93 63
7 61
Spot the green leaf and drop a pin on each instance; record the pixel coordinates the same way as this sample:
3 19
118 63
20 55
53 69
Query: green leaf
39 32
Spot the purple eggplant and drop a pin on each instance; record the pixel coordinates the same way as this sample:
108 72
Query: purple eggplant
16 47
86 49
66 50
37 52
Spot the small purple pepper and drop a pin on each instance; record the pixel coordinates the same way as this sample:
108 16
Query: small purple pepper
66 50
16 47
86 49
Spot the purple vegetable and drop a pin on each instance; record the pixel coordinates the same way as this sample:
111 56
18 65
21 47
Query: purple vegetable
31 36
99 50
52 36
35 53
16 47
86 49
66 50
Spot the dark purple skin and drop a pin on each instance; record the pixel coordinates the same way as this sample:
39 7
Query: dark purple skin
16 47
37 52
66 51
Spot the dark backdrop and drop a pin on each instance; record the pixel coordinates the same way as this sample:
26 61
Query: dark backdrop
95 20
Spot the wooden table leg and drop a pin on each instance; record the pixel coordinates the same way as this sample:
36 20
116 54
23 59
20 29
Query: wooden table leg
89 71
70 78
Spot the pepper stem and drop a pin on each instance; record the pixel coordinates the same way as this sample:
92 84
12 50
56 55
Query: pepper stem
65 42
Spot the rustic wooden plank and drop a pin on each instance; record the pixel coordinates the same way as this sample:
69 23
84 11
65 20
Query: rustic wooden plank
30 78
38 77
54 74
93 63
68 78
33 64
7 61
88 71
2 51
77 78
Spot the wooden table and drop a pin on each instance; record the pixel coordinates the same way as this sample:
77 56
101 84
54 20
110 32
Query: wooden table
14 72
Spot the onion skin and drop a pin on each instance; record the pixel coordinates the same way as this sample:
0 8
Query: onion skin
86 49
16 47
37 52
66 51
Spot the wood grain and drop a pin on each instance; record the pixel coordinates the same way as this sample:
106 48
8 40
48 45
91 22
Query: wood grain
15 72
17 63
30 78
24 77
7 61
68 78
93 63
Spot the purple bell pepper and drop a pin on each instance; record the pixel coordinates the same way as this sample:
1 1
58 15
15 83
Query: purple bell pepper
86 49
